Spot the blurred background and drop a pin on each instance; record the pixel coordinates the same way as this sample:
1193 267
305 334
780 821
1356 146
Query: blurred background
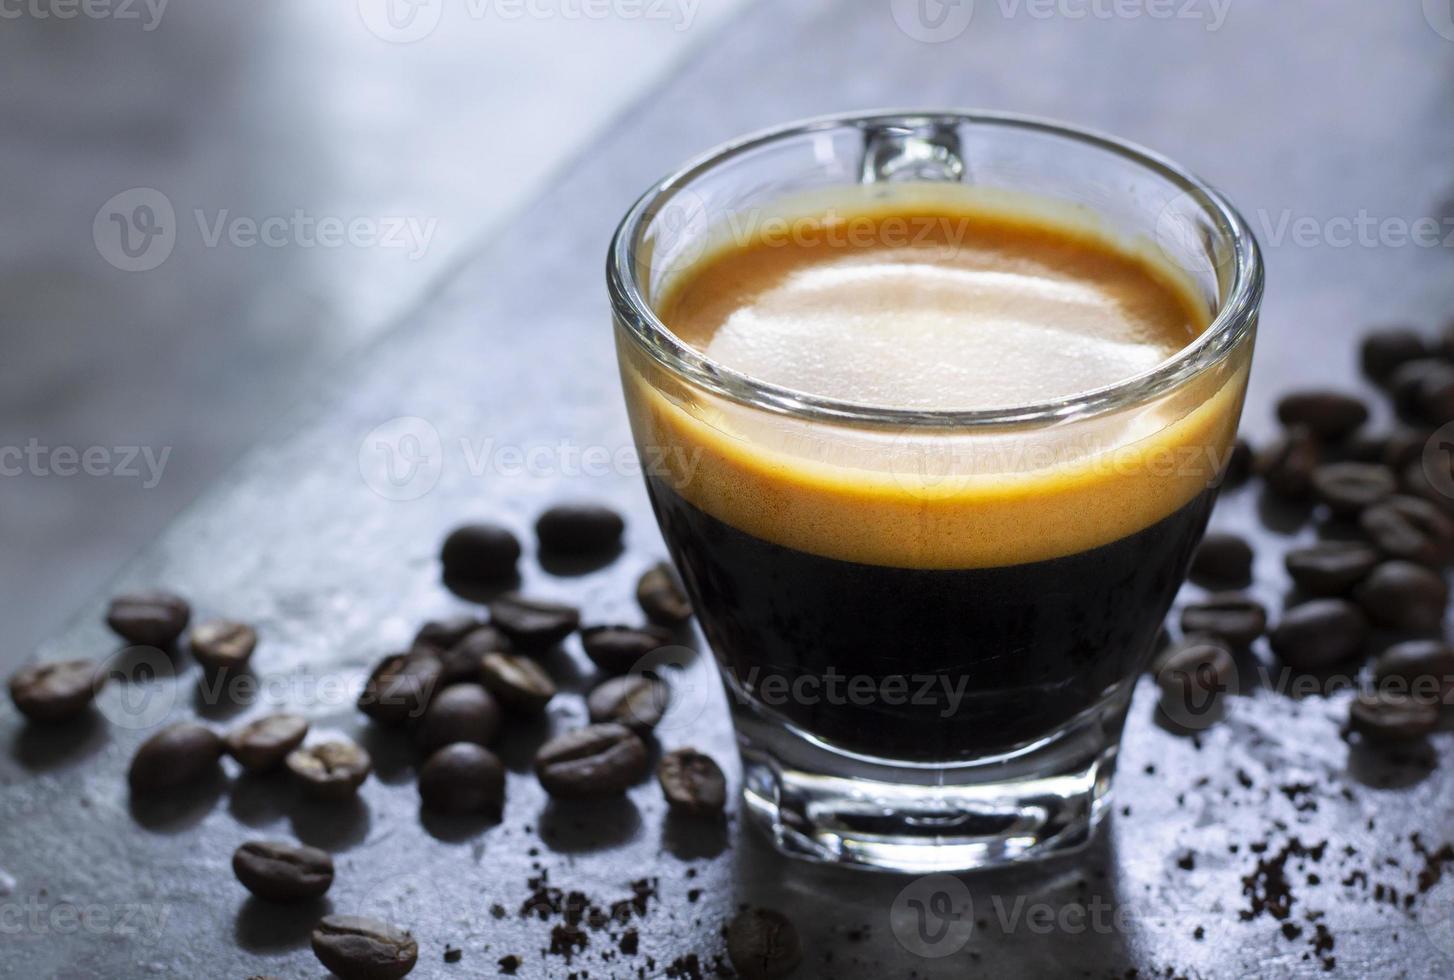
209 207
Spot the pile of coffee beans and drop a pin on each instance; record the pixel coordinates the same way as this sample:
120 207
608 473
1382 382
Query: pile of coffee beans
1382 504
461 684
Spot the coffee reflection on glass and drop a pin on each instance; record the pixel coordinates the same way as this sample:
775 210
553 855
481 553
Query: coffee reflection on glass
937 406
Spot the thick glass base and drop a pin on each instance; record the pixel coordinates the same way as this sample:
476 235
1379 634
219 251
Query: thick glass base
820 804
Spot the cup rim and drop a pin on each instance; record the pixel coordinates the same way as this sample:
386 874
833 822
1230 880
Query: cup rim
1233 321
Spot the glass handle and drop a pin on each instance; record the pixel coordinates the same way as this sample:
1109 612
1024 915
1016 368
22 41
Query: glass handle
924 152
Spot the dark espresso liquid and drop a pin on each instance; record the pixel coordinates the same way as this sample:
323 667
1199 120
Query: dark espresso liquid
986 659
935 594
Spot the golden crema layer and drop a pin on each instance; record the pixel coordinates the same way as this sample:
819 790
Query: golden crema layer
976 309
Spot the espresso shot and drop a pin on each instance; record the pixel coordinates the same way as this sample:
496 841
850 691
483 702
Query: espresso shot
974 609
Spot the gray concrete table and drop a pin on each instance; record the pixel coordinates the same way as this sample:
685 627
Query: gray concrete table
1309 116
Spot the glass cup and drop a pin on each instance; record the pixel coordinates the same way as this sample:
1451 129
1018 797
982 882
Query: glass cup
929 623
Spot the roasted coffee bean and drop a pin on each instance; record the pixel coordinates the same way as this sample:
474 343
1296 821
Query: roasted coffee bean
55 692
284 873
1239 465
461 713
1411 528
1287 464
1348 488
175 755
579 529
600 760
1361 447
1195 667
222 644
461 662
1329 415
153 619
533 625
1423 669
661 596
484 553
1319 634
1404 596
439 635
1222 558
616 649
358 948
330 771
763 944
1415 481
1404 447
463 778
518 682
637 701
1424 390
1330 568
692 783
262 745
1389 716
400 687
1228 616
1385 351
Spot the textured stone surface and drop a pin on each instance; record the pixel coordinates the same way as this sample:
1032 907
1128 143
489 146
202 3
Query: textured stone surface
1321 113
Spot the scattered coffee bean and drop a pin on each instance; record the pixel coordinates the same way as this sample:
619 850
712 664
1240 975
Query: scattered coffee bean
153 619
637 701
222 644
1404 596
1225 559
579 529
1348 488
600 760
400 687
1328 415
439 635
1330 568
1228 616
1404 447
1287 465
484 553
1390 716
1415 481
1196 667
1239 465
175 755
518 682
763 945
661 596
284 873
533 625
461 662
616 649
262 745
1424 391
692 783
463 778
1423 669
358 948
1410 528
461 713
330 771
1319 634
1385 351
55 692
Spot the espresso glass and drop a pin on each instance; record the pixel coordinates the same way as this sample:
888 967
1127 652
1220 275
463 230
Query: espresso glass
929 623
